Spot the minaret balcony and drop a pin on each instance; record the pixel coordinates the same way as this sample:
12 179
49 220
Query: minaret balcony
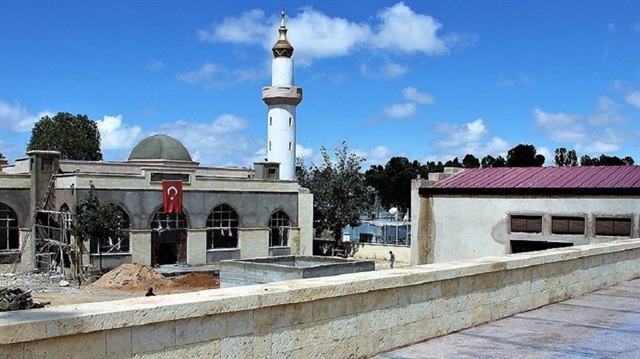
282 95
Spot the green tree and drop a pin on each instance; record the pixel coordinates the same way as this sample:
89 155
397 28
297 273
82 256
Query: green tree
470 161
97 222
75 137
340 192
524 156
605 160
565 158
453 163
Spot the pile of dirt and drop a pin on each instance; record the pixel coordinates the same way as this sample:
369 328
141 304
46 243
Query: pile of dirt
196 280
136 276
132 276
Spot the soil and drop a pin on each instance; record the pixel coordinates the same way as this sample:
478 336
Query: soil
125 281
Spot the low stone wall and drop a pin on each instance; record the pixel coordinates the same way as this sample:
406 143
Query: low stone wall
351 315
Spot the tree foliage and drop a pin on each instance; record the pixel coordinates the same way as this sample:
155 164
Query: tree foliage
340 192
470 161
75 137
605 160
565 158
488 161
524 156
95 221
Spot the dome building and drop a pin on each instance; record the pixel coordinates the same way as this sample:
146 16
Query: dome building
214 213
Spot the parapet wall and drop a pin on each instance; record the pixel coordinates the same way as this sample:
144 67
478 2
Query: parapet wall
352 315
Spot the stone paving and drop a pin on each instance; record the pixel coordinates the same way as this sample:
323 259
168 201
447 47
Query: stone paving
602 324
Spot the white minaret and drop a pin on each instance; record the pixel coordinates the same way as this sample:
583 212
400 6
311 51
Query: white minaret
282 98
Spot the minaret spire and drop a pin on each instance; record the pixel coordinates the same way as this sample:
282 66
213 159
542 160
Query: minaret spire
282 48
282 98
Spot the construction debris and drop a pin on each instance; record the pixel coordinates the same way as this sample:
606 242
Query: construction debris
18 299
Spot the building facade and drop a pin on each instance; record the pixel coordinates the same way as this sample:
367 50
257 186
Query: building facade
494 211
226 212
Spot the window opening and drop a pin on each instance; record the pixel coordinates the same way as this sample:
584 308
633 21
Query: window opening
613 227
222 228
567 225
279 226
526 224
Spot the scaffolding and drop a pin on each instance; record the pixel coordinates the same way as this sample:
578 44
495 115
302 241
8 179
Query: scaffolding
48 240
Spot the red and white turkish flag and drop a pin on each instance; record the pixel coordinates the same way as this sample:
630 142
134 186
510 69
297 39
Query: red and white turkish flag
172 196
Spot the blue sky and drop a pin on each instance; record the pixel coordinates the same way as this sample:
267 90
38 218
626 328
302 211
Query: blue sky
429 80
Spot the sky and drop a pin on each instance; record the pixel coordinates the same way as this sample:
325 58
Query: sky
427 80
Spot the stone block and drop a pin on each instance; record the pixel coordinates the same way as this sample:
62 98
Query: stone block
380 299
118 343
292 314
92 346
12 351
237 347
329 308
424 292
415 312
201 329
240 323
153 337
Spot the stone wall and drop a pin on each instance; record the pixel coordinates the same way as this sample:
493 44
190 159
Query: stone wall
352 315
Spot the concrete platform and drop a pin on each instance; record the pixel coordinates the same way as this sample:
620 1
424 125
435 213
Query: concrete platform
603 324
173 270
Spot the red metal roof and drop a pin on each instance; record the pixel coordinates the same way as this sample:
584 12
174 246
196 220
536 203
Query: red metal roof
588 177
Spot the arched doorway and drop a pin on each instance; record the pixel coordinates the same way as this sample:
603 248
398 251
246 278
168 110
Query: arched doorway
168 238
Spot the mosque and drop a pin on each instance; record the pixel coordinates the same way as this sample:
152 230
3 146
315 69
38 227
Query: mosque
174 210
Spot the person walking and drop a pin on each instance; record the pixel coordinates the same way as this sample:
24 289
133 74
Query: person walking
392 259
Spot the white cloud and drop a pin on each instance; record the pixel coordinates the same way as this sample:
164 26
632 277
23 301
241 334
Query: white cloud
461 135
597 147
154 64
203 74
606 113
315 35
411 93
211 76
393 70
116 136
633 98
303 152
16 118
219 142
401 110
520 80
561 127
406 30
249 28
374 156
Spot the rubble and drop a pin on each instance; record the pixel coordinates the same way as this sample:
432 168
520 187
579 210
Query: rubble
16 299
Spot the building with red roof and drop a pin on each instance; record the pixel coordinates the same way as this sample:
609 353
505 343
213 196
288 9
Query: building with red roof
472 213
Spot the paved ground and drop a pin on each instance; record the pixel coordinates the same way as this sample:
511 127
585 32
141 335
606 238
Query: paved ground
603 324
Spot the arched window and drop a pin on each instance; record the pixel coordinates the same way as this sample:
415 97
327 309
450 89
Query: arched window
279 225
222 228
116 245
9 233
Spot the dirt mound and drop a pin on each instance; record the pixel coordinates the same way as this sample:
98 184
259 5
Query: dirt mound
132 276
196 280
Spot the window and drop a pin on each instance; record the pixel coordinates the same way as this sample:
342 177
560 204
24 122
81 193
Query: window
222 228
9 233
289 121
279 229
271 173
270 120
526 224
531 246
119 244
567 225
269 145
289 146
613 227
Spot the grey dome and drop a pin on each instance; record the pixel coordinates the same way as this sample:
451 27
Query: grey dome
160 147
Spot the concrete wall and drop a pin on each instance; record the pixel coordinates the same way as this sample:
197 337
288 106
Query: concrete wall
352 315
448 228
380 252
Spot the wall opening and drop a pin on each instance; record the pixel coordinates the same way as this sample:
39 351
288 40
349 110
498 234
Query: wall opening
531 246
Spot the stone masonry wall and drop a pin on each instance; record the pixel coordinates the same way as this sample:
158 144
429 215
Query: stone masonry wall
347 316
